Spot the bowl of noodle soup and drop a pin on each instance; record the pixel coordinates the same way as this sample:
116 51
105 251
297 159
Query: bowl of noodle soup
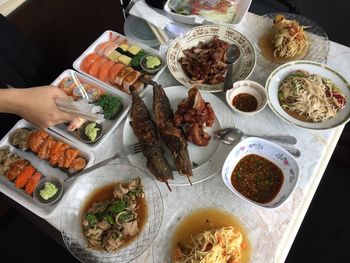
309 95
214 230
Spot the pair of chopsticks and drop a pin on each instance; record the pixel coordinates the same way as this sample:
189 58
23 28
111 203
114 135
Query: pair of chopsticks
69 106
159 33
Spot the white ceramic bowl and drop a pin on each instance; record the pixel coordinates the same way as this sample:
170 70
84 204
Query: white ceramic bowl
242 9
241 70
275 79
272 152
251 87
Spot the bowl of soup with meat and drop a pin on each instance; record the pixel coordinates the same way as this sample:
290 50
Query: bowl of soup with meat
260 172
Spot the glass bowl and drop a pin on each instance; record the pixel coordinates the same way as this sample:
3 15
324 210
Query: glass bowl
71 216
262 246
319 42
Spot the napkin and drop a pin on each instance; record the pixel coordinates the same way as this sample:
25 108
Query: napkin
142 10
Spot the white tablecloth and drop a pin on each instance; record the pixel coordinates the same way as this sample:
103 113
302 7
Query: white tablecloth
316 146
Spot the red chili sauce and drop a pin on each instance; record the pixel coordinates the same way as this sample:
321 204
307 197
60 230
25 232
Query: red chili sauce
245 102
257 178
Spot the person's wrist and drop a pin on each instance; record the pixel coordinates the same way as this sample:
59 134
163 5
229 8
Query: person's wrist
16 100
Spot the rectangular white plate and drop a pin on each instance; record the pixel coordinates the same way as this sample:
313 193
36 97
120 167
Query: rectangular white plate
105 37
8 188
108 125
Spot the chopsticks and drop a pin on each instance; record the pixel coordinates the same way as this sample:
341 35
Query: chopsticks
69 106
159 33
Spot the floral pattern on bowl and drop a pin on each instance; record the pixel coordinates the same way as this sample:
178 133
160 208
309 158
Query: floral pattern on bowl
274 153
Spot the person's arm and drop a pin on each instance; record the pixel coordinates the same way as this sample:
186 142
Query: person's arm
36 105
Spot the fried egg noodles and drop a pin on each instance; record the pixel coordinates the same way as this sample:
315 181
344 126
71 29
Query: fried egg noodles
317 98
220 245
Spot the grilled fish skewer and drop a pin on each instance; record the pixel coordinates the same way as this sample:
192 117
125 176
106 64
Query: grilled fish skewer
173 136
146 132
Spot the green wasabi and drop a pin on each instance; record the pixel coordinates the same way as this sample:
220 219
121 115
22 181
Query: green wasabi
91 131
152 62
48 191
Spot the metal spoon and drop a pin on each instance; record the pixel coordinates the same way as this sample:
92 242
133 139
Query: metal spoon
232 55
227 139
236 135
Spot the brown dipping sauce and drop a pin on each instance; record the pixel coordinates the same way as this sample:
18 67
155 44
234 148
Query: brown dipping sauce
257 178
245 102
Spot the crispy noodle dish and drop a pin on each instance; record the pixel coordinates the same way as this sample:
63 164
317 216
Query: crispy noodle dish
289 39
221 245
110 224
311 95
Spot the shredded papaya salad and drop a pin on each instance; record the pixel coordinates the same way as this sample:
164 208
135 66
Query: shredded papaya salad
214 246
290 39
311 95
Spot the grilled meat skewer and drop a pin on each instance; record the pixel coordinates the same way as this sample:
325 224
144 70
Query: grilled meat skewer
173 136
146 132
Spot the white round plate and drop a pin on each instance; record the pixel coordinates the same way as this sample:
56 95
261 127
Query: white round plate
273 84
241 69
319 43
206 160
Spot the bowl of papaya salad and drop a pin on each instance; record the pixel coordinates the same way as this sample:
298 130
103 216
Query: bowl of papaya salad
309 95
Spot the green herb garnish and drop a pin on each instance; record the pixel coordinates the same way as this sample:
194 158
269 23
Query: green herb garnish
92 220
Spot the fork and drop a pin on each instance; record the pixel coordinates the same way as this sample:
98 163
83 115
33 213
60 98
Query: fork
127 150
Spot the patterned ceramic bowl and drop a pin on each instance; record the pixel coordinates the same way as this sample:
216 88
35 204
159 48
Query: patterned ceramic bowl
273 153
242 69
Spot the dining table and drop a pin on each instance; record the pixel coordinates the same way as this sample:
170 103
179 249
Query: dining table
280 224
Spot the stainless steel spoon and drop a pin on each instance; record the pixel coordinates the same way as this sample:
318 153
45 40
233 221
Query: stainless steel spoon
236 135
232 55
227 139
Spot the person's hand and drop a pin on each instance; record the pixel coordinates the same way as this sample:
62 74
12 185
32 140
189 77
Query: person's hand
37 106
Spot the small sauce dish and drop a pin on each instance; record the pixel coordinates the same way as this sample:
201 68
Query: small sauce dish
85 138
246 97
41 185
147 61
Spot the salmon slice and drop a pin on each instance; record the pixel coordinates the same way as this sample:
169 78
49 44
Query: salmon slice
33 181
15 169
23 178
95 67
57 152
35 139
88 61
130 79
77 165
121 75
113 72
103 73
70 156
46 147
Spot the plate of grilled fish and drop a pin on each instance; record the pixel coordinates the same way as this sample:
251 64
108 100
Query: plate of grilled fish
174 126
